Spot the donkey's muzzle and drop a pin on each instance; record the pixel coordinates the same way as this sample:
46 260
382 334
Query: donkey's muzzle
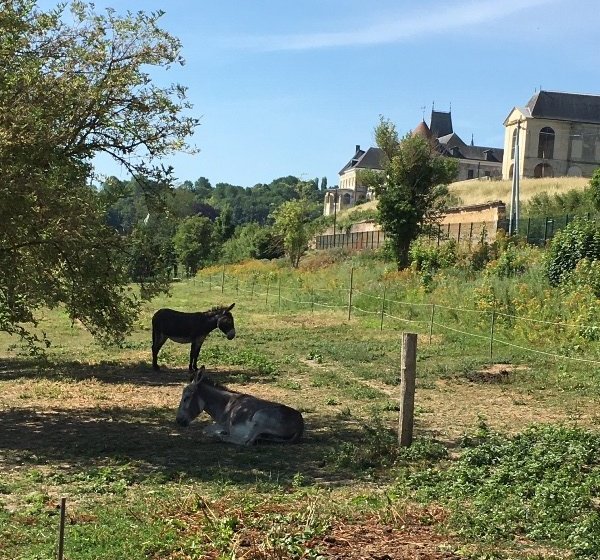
230 334
183 422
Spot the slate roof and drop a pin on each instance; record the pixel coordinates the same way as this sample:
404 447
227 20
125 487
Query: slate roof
440 124
465 151
574 107
371 159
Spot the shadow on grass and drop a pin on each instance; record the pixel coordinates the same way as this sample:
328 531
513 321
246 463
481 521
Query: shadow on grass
115 372
149 441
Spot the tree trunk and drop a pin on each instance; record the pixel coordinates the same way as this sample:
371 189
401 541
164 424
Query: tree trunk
402 247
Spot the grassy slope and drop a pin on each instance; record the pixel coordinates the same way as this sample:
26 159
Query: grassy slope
477 192
97 425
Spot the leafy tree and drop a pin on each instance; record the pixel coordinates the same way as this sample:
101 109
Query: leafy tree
576 241
309 190
151 253
194 242
323 184
224 224
75 84
291 222
252 241
594 189
411 187
203 188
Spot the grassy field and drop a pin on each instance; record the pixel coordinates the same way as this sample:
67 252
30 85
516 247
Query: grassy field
97 426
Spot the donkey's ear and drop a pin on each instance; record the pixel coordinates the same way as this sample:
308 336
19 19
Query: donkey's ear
230 307
199 374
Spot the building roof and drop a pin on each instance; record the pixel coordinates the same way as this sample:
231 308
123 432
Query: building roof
371 159
440 124
452 145
574 107
422 130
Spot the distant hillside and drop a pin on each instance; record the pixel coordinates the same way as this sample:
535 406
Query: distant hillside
478 191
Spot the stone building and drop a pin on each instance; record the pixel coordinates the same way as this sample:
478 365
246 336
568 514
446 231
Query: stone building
474 162
350 190
559 135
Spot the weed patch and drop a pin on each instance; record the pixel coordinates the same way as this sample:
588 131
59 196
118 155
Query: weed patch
541 485
379 449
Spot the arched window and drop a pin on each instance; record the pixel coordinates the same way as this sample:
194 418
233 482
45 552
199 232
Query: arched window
543 170
346 199
546 143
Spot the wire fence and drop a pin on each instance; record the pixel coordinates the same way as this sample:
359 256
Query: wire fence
533 230
542 337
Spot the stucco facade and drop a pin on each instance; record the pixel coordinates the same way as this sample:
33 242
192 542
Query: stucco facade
558 134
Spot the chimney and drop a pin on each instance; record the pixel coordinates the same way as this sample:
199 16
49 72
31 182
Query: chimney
357 148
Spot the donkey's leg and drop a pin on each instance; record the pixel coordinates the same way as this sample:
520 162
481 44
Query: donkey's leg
214 430
195 352
231 438
158 339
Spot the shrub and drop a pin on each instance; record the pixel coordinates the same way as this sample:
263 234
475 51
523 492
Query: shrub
252 241
511 262
579 240
426 257
585 274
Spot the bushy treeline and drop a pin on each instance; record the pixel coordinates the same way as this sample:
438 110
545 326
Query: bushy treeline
195 224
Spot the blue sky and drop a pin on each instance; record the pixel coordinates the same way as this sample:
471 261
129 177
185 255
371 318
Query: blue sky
289 88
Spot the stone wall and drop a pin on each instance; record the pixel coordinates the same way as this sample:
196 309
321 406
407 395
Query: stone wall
462 222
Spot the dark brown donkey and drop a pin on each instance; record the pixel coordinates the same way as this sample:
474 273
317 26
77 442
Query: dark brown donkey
189 328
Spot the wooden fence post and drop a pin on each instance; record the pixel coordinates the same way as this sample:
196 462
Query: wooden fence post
408 371
61 528
492 335
267 296
350 293
382 307
431 322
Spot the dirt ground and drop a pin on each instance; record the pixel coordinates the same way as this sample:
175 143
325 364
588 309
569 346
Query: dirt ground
91 408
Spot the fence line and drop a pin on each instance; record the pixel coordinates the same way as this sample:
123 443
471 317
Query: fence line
415 304
533 230
547 353
430 322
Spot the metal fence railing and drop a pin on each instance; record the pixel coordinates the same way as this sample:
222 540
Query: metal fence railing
534 230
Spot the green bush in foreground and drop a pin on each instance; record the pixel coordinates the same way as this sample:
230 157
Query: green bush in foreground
579 240
541 485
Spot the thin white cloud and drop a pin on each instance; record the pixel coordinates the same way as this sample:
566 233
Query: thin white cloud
396 28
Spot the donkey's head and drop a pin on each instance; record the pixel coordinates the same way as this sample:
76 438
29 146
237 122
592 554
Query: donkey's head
191 404
225 322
